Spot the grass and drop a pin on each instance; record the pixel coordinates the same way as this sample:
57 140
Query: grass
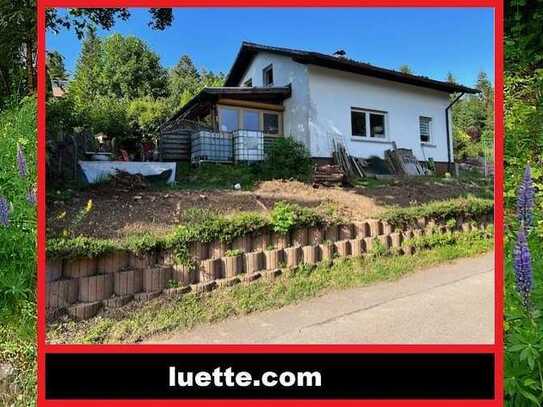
136 323
17 253
215 176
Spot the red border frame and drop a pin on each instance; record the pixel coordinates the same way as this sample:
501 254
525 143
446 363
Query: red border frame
496 348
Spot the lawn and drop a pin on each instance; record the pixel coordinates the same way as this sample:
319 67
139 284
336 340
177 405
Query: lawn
137 322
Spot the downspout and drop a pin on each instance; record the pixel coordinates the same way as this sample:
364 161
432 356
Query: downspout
449 163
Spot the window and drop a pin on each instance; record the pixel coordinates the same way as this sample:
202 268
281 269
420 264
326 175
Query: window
251 120
425 126
228 119
248 83
267 76
368 124
358 123
270 123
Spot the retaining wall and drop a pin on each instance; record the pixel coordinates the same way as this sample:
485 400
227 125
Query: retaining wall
82 287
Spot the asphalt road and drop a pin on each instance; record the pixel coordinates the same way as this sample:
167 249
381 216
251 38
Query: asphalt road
449 303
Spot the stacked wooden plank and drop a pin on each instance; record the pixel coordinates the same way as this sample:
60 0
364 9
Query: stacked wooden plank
328 175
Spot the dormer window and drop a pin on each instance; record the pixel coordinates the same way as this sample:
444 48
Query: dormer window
267 76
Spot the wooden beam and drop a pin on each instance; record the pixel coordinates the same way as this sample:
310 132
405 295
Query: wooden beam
254 105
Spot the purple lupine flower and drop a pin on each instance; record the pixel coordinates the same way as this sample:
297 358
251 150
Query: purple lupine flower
525 200
4 211
523 267
21 161
31 196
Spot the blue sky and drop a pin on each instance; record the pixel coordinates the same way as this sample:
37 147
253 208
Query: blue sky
432 41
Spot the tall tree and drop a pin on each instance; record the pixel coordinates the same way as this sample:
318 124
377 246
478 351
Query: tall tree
119 67
185 81
55 66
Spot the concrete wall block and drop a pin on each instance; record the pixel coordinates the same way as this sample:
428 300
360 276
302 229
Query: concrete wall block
166 257
116 302
396 240
217 249
61 293
387 228
280 240
228 282
293 256
421 222
261 240
311 254
346 232
370 243
128 282
343 248
300 237
331 233
112 262
95 288
249 278
146 296
274 258
418 233
203 287
199 250
375 227
156 279
466 227
271 274
361 230
326 251
232 266
142 261
244 244
408 250
209 270
84 311
385 241
176 292
185 274
358 247
53 269
253 262
77 268
316 235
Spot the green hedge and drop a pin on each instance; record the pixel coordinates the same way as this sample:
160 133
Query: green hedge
442 211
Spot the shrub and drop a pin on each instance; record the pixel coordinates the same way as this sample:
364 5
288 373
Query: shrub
440 210
286 158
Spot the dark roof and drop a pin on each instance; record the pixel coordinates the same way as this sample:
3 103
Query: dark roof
248 51
274 95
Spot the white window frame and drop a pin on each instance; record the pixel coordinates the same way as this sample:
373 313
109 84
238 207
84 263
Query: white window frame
240 110
367 136
264 71
430 129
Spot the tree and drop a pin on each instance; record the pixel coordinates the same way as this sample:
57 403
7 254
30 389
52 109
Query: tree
55 66
450 78
185 81
85 84
406 69
18 36
473 120
146 114
118 67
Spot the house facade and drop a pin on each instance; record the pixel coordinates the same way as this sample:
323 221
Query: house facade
331 98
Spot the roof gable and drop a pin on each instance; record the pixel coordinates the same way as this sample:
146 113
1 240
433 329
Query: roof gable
249 50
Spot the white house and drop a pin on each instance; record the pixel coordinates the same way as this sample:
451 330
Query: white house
316 98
